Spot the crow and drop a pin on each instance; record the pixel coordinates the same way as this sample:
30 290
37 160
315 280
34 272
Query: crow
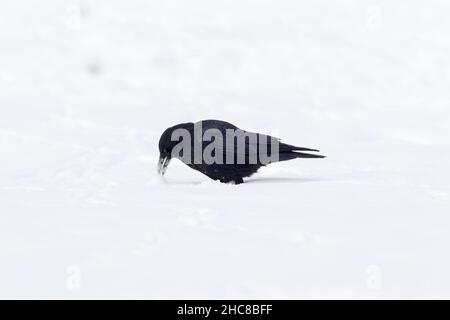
222 151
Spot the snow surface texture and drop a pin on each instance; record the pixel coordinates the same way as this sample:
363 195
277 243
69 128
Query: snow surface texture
87 87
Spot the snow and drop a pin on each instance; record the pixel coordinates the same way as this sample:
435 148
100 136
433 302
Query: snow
88 87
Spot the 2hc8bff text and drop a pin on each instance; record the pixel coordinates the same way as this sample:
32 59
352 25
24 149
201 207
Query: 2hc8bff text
241 309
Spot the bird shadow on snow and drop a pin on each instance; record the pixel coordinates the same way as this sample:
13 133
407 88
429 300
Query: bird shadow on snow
183 183
267 180
286 180
260 180
180 182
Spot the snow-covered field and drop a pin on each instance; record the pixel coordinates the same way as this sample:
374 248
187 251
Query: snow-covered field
87 87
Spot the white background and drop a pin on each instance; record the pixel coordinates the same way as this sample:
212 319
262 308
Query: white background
87 87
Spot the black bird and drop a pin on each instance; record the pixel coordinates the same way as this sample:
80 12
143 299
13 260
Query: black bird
227 168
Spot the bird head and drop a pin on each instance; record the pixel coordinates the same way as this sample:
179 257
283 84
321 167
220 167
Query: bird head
166 145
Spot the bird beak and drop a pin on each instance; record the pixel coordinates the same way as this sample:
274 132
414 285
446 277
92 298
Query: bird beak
163 163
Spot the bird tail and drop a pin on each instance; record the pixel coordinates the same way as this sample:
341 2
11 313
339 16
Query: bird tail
288 152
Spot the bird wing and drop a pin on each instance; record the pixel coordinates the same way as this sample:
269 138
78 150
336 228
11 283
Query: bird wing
252 145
